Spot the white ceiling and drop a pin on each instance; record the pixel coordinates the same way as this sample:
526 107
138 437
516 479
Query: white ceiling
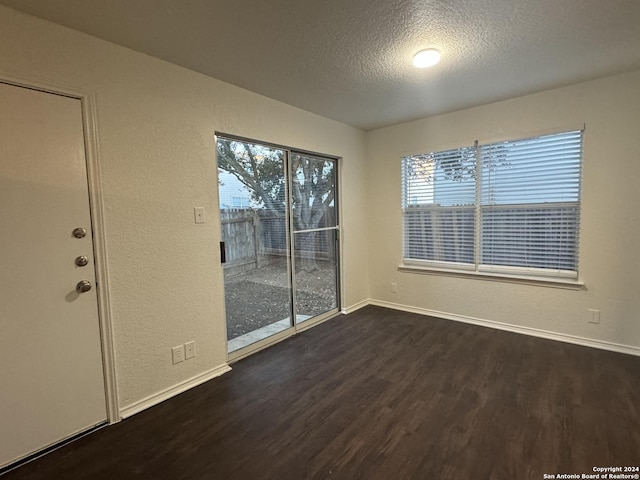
350 60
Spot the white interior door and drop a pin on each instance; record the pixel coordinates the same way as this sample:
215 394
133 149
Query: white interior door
51 377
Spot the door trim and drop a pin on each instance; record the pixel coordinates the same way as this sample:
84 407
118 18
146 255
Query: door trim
96 209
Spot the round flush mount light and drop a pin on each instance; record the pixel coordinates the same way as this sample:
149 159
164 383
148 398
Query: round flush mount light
426 58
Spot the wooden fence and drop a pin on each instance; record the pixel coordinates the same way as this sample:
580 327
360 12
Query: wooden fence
514 235
254 238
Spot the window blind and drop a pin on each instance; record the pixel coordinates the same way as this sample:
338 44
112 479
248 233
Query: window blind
438 206
530 203
509 207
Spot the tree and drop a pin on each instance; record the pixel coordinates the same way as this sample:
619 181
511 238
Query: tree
258 168
423 172
261 170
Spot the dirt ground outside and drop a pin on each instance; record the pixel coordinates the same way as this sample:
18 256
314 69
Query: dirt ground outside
260 297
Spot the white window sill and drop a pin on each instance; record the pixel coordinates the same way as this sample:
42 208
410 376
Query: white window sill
566 283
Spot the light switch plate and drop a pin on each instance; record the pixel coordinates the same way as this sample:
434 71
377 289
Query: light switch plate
198 214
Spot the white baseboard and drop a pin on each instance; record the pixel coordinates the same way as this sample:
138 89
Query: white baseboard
356 306
561 337
163 395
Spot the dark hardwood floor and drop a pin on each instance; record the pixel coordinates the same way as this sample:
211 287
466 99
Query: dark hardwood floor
380 394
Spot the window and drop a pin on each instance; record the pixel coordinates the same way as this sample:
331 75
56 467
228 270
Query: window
510 207
240 202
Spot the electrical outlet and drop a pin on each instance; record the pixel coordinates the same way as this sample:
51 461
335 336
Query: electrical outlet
394 287
594 315
190 349
177 354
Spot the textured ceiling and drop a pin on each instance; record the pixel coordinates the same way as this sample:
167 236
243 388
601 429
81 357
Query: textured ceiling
350 60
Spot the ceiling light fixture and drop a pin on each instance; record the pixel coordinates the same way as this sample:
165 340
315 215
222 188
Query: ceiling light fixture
426 58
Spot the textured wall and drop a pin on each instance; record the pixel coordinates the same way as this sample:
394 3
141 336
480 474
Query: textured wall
609 257
156 125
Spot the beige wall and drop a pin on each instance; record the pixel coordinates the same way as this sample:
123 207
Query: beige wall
156 152
609 253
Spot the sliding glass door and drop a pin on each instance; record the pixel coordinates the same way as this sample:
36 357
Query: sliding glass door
279 240
315 235
254 214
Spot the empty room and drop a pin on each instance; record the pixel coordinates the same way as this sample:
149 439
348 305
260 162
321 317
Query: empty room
381 239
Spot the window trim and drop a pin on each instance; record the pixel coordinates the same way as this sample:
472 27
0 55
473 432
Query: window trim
417 267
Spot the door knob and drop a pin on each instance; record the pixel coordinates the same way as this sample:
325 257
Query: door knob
83 286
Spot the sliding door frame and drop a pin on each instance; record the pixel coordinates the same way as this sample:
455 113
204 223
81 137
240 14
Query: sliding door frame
296 326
